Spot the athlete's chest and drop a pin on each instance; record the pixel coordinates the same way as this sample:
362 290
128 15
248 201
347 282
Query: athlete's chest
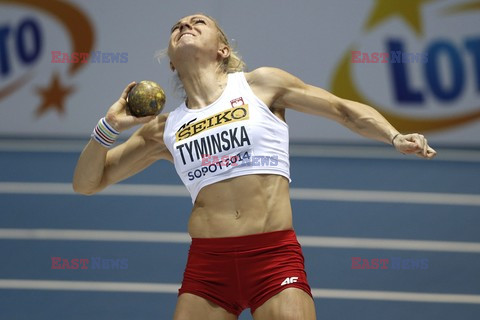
229 129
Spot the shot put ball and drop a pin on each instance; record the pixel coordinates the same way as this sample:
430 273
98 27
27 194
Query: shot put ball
146 98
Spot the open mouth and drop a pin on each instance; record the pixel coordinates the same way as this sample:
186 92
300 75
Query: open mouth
186 35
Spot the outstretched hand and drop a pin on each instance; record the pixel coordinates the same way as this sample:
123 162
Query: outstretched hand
414 144
119 116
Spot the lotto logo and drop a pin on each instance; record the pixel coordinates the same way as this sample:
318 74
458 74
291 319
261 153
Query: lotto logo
289 280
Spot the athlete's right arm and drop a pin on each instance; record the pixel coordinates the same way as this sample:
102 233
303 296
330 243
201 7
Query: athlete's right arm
99 167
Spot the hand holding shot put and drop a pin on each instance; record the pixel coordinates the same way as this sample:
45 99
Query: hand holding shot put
244 251
92 174
122 116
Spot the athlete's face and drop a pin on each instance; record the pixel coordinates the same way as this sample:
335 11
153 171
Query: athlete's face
194 32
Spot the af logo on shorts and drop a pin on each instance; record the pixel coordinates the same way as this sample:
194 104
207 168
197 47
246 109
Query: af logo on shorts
289 280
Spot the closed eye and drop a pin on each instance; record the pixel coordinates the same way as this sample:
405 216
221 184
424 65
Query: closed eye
175 27
197 21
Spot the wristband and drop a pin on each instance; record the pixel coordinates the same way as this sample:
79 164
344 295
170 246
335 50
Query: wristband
104 133
393 139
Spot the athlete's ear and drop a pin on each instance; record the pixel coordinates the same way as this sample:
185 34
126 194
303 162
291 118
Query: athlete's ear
172 67
224 51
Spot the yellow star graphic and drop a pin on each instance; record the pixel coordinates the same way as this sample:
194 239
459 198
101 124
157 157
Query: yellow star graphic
408 10
53 96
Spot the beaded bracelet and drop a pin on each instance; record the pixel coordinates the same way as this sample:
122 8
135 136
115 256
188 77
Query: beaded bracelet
104 133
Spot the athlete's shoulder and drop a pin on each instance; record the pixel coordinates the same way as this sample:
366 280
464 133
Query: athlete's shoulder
260 74
270 76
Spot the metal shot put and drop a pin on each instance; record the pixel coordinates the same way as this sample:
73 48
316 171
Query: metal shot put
147 98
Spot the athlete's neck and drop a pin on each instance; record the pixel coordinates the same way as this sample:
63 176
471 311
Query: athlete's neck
203 85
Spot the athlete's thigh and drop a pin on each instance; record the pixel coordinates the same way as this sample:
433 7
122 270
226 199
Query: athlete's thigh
192 307
289 304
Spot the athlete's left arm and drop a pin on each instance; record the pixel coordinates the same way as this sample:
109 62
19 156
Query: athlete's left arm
283 90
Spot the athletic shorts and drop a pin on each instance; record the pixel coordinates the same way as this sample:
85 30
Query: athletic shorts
243 272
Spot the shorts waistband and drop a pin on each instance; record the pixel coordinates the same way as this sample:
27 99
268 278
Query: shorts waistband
246 242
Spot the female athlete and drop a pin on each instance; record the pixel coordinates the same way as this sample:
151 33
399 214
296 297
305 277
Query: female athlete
229 144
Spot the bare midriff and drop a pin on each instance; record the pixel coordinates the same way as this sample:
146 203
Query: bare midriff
240 206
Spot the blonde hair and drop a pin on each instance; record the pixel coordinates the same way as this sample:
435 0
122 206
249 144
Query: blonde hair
233 63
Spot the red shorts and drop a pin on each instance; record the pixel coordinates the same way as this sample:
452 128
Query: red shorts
243 272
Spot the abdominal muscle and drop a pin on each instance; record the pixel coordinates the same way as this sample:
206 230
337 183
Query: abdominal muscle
241 206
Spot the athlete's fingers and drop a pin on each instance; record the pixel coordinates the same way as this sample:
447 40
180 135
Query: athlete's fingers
425 147
406 145
414 143
127 90
431 153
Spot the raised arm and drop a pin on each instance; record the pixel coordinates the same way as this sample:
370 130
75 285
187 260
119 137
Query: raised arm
282 90
99 167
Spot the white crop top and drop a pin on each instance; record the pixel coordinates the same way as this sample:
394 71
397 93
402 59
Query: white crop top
234 136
